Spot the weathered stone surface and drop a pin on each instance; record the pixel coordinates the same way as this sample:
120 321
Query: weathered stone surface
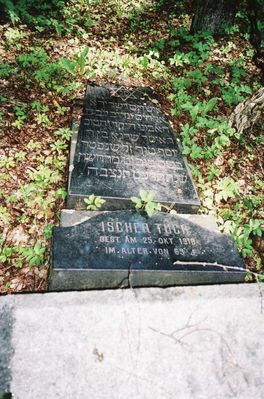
6 325
123 248
181 342
125 143
70 217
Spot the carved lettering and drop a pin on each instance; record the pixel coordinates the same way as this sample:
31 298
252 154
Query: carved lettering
128 146
161 251
130 240
115 147
115 159
103 172
139 149
110 250
134 138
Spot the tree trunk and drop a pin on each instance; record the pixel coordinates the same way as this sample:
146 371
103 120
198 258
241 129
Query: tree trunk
247 113
255 15
213 15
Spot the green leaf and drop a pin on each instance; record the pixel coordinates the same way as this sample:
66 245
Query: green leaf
91 207
150 196
61 192
260 277
34 261
139 205
209 106
99 202
47 231
158 206
37 247
81 60
143 194
136 200
227 188
68 65
150 207
91 198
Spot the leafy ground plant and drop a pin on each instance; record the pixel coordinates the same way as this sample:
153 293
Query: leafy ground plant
145 202
94 203
34 256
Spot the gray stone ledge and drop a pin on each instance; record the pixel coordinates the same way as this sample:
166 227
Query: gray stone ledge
182 342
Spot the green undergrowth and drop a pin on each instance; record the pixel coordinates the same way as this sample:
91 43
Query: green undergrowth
50 50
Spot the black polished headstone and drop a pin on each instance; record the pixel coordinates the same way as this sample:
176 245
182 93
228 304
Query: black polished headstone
125 143
123 248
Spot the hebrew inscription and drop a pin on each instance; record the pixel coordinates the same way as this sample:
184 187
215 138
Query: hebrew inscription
125 143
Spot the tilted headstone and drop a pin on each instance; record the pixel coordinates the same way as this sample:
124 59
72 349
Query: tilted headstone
125 143
124 248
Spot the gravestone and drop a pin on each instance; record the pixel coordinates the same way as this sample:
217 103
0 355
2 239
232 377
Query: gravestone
125 249
125 143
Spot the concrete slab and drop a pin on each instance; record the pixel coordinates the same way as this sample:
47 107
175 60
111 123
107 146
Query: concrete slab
182 342
6 350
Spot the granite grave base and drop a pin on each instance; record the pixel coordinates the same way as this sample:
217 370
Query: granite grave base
121 249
